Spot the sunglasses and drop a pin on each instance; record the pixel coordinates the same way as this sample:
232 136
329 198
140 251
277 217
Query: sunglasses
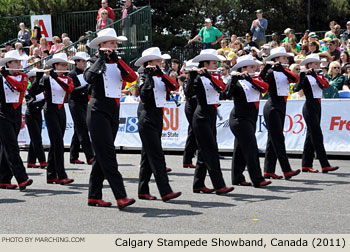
336 67
297 69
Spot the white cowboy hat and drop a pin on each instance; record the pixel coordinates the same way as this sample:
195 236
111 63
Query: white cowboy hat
12 55
207 55
190 64
80 56
59 58
313 57
32 73
104 35
277 52
246 60
152 53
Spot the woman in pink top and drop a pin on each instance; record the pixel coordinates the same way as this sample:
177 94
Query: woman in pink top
56 44
103 21
44 45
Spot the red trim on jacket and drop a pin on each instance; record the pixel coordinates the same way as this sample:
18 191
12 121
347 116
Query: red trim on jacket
19 86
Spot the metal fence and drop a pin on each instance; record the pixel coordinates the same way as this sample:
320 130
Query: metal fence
137 27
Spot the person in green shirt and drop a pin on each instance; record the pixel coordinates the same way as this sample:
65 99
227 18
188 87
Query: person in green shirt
209 34
335 79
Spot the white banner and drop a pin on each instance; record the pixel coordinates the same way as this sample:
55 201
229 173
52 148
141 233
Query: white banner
335 125
45 25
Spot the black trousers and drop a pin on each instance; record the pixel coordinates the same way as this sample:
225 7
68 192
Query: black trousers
10 161
191 145
34 122
314 136
56 126
152 156
103 130
81 134
245 151
204 128
275 146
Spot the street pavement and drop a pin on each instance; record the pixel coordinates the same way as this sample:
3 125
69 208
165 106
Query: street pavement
308 203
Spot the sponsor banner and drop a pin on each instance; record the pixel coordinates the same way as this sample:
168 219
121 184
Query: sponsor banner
45 25
335 124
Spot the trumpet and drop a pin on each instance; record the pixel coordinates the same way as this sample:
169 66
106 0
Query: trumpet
275 63
196 69
241 74
309 70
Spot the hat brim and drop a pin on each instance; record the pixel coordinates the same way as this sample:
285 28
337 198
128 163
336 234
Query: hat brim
97 41
3 61
307 61
207 57
272 56
53 61
246 63
147 58
79 58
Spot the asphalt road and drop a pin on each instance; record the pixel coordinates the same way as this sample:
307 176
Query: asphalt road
309 203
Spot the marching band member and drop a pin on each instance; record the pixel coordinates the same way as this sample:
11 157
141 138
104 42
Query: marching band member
107 76
190 107
78 102
312 85
34 121
154 87
245 91
56 85
278 78
207 88
12 87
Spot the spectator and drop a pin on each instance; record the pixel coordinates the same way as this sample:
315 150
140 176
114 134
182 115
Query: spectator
335 78
346 85
238 48
56 44
175 66
248 41
332 49
295 69
63 36
129 8
233 39
303 51
258 29
8 47
290 35
224 47
294 45
325 55
232 58
23 35
22 53
71 51
210 35
265 50
256 53
44 45
165 67
104 6
330 34
313 48
344 59
313 37
346 34
134 96
35 44
35 55
337 31
275 38
103 21
305 37
225 73
36 30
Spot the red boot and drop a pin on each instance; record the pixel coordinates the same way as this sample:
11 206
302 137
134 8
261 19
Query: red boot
288 175
99 202
124 202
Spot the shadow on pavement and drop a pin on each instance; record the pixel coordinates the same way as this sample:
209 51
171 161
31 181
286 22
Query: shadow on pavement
200 204
321 182
291 189
160 213
6 201
47 192
250 198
